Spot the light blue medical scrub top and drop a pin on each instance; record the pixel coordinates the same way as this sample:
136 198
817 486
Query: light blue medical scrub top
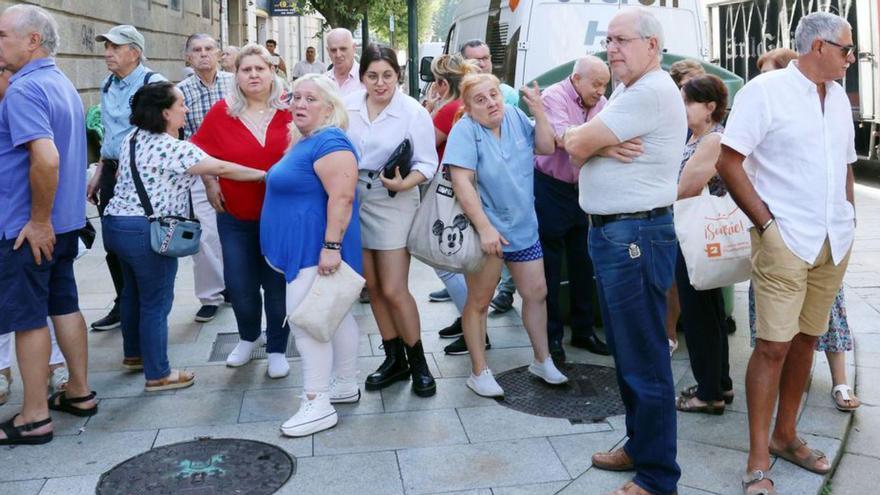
505 169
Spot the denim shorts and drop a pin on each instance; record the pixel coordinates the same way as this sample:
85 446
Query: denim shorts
30 293
528 254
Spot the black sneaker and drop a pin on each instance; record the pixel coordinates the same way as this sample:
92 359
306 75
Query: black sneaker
225 294
206 313
441 295
502 302
452 331
458 347
109 322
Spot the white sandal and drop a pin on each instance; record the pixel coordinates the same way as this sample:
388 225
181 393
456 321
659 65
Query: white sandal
846 395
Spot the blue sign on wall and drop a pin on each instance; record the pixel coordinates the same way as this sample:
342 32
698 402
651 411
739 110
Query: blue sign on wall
285 7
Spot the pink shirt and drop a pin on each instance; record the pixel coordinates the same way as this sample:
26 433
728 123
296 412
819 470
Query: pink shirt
352 83
564 109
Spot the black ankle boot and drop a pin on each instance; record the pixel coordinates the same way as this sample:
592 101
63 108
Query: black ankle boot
422 382
393 369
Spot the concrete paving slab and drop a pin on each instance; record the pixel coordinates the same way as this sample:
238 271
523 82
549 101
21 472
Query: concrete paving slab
864 437
167 411
853 475
499 360
74 485
822 421
710 468
251 376
30 487
868 384
576 451
533 489
451 393
595 481
266 431
495 422
374 473
464 467
730 430
391 431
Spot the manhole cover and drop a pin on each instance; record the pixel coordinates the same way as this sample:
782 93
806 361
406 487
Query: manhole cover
590 395
225 342
202 467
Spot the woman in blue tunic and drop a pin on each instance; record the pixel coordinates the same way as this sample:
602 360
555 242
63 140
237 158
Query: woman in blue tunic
308 230
494 145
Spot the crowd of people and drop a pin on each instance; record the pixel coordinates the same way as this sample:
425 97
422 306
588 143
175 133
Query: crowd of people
288 183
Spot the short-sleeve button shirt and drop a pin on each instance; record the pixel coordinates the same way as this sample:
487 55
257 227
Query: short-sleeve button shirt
199 98
797 156
162 162
505 169
116 107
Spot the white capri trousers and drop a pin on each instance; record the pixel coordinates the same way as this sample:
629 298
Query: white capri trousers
7 351
321 360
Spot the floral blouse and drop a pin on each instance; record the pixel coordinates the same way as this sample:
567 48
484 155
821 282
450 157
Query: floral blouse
162 162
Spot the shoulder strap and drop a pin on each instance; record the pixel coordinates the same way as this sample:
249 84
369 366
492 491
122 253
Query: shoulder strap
136 177
147 77
107 84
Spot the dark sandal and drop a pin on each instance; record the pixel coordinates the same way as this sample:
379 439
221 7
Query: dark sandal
683 404
59 402
691 391
14 433
789 453
757 476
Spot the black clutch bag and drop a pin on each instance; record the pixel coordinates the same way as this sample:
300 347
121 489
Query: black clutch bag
400 158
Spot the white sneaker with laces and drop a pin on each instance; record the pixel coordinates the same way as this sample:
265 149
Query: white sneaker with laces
314 415
58 379
548 372
278 365
242 353
484 384
344 390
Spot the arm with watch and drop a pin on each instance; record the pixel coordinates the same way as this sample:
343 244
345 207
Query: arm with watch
730 168
338 174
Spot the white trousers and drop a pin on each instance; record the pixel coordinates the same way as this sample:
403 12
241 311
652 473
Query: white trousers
7 350
208 262
321 360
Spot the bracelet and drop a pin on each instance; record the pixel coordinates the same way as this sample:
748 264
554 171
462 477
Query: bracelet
767 224
334 246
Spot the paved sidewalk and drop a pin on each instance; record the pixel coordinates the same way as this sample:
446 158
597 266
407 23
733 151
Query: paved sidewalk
456 442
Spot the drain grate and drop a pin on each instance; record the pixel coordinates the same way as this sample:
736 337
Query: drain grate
225 342
205 467
591 394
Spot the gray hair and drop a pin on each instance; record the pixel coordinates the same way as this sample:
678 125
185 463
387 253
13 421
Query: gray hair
236 100
334 33
818 25
474 43
650 27
583 65
196 37
33 19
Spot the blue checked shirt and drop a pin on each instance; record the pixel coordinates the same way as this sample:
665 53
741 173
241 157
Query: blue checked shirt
200 98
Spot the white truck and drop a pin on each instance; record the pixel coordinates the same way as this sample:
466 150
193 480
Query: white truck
743 30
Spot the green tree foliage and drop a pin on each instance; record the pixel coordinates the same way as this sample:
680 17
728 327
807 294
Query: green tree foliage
381 11
346 14
443 19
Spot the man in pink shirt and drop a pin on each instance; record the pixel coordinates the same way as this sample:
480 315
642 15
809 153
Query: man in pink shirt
562 225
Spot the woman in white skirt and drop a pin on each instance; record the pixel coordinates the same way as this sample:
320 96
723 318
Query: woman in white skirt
380 119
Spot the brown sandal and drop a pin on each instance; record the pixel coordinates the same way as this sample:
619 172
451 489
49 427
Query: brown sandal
684 404
182 380
757 476
789 453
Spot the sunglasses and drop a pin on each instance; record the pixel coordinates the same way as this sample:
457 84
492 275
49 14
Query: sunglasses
846 50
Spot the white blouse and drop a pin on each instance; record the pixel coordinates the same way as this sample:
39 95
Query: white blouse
402 118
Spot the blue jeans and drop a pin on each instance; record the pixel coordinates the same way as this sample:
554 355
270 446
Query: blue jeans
455 286
147 292
245 271
634 262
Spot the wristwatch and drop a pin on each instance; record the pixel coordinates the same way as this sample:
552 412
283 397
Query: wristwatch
334 246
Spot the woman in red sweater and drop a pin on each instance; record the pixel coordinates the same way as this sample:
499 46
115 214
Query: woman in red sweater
249 127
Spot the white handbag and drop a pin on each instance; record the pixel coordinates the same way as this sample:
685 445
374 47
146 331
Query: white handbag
441 235
327 302
714 237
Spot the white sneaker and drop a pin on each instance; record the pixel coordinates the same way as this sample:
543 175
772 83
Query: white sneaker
673 345
4 389
242 353
548 372
58 379
278 365
344 391
313 416
484 384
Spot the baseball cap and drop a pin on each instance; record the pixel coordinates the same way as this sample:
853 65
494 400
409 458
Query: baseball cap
124 34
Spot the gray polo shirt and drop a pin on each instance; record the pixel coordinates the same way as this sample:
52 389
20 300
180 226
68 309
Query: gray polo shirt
652 109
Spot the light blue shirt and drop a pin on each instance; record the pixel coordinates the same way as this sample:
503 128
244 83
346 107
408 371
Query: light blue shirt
511 95
505 170
116 107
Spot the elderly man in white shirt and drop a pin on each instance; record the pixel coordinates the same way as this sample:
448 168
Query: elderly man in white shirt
786 155
344 73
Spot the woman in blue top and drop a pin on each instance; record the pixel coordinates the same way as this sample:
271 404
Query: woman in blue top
308 230
496 145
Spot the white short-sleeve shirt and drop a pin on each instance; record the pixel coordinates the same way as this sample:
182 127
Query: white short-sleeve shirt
403 118
797 156
352 83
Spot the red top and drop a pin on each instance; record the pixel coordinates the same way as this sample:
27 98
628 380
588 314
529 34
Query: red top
443 123
226 138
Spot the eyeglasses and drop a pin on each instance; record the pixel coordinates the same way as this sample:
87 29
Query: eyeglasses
618 40
846 50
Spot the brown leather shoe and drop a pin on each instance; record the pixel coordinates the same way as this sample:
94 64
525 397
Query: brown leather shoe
616 460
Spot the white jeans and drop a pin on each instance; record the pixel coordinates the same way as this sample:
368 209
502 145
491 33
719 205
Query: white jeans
321 360
7 350
208 262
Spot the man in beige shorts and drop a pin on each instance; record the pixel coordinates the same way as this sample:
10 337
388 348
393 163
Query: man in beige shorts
786 155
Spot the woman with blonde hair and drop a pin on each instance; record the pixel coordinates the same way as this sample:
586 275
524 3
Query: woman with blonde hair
250 126
309 227
494 146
